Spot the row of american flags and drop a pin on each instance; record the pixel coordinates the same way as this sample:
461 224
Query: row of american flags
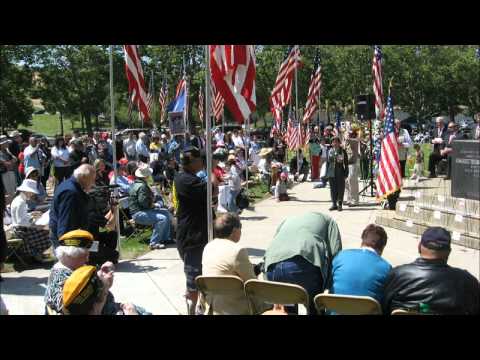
233 84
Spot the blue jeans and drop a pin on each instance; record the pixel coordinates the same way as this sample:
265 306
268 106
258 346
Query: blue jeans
232 201
301 272
160 219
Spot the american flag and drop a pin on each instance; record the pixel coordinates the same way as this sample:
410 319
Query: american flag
200 105
282 89
294 133
162 99
378 82
217 104
150 97
233 74
389 178
181 85
136 81
130 105
313 91
307 136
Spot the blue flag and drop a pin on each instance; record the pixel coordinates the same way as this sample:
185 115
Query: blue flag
178 104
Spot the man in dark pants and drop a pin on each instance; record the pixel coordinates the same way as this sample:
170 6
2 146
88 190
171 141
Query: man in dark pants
440 138
337 172
453 134
192 231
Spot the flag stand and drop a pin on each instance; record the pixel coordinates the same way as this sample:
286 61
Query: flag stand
208 149
114 149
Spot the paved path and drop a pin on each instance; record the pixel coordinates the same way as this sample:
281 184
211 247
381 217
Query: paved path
156 280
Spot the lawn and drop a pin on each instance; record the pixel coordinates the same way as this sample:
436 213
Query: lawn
49 124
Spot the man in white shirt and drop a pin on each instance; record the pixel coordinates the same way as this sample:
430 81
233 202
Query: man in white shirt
224 256
404 143
141 148
129 147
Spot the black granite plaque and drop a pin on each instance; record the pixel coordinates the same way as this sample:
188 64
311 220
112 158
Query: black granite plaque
466 169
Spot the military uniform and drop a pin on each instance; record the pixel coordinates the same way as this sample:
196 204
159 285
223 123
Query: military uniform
337 172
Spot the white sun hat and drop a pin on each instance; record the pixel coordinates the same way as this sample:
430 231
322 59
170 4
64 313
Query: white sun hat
29 185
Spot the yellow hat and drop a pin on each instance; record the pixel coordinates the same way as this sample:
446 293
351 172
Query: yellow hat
80 290
78 238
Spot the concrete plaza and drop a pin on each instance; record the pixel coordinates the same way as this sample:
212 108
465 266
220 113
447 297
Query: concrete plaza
156 281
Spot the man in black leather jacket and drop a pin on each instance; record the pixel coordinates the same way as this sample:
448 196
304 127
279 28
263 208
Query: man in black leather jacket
430 283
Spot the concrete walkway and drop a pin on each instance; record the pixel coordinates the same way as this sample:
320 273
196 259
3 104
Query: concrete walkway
156 281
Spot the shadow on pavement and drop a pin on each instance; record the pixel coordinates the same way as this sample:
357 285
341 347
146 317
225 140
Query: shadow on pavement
255 252
418 187
130 267
293 198
24 286
255 218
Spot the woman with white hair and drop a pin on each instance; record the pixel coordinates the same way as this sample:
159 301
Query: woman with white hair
35 238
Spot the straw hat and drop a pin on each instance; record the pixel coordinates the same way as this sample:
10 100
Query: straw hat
143 172
265 151
28 185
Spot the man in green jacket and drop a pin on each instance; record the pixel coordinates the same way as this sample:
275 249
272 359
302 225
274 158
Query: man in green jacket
144 212
302 252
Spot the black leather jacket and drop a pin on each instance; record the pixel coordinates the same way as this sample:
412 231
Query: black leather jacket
447 290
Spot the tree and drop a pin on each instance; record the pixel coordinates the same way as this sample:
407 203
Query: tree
15 85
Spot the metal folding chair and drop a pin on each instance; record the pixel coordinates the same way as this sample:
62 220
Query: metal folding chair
347 304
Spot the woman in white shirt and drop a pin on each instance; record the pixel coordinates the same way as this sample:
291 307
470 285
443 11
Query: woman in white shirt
61 162
35 238
234 183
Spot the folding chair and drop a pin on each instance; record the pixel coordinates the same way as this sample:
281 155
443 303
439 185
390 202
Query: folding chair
270 292
347 304
13 245
405 312
221 285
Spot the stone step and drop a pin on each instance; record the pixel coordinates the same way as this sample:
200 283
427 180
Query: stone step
418 228
448 203
452 221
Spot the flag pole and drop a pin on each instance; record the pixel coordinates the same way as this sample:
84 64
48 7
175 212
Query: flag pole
247 142
296 115
208 139
114 147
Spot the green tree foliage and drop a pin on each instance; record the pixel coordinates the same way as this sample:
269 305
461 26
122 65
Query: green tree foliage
15 86
74 79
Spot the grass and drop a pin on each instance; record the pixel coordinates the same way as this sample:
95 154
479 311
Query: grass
49 124
136 246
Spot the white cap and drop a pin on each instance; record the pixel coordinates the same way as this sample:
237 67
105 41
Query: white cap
143 172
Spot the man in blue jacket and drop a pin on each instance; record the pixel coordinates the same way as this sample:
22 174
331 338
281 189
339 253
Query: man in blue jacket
69 209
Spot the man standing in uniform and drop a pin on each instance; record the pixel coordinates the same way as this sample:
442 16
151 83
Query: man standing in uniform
352 145
192 231
337 172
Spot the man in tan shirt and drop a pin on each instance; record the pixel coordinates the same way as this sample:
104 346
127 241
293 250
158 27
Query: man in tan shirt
224 256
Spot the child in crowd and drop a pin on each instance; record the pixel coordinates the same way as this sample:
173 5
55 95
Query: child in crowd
281 188
418 167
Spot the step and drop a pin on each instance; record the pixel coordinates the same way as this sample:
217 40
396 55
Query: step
427 215
418 228
448 203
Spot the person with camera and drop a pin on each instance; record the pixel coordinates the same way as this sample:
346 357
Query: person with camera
192 231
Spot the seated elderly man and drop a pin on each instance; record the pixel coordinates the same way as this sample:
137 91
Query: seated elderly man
429 285
302 251
362 272
144 212
224 256
72 254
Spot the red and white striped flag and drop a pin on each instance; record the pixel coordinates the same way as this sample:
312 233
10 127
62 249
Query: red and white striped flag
217 104
200 105
377 73
233 73
150 97
294 133
306 136
282 89
162 99
389 177
313 92
136 81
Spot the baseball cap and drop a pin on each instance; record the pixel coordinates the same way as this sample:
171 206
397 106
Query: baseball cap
436 238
